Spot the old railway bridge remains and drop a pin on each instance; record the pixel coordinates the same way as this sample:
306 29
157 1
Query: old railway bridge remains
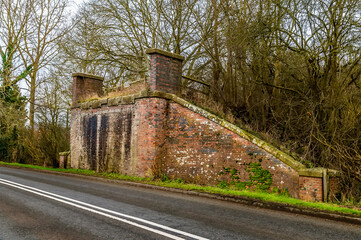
157 132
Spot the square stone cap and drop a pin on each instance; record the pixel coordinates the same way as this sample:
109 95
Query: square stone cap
86 75
164 53
318 172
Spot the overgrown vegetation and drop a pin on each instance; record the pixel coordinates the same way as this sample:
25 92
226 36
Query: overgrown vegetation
12 107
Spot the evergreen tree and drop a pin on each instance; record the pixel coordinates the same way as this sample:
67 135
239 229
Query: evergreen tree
12 107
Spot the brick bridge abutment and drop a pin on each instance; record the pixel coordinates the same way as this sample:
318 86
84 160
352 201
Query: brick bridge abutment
156 133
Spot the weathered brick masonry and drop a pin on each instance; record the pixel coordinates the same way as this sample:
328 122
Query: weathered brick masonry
310 188
123 139
155 132
165 71
86 86
199 148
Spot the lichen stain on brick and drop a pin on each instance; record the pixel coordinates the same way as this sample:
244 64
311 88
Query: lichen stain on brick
90 125
118 166
127 141
103 143
119 152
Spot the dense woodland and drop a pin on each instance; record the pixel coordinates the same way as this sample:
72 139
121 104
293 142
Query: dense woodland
288 70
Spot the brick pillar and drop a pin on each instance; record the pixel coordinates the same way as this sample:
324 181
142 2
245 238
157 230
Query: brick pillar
62 160
334 188
86 86
165 71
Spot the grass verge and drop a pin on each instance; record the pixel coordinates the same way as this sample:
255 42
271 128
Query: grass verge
263 196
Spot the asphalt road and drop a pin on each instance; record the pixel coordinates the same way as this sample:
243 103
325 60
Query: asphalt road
36 205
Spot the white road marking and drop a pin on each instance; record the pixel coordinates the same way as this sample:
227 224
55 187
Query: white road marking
87 207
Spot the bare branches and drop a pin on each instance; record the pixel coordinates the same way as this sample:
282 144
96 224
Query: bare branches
45 26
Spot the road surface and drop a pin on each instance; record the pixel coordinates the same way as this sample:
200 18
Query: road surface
35 205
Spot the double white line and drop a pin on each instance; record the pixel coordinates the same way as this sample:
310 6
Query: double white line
137 222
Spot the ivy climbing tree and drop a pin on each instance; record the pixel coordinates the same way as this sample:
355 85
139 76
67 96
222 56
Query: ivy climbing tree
12 105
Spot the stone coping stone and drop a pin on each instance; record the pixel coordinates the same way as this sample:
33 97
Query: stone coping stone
64 153
96 104
318 172
87 75
113 102
151 51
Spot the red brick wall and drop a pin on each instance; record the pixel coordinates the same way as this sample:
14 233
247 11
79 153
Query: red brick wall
198 149
310 188
85 86
62 161
127 139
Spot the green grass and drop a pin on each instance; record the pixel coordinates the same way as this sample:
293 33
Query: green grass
263 196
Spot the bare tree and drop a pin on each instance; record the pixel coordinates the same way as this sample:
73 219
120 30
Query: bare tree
13 21
46 26
117 32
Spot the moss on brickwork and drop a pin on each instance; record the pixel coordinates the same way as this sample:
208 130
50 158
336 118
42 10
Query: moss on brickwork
96 104
113 102
258 179
85 105
64 153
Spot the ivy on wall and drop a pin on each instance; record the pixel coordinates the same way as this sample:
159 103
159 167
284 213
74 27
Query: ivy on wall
259 178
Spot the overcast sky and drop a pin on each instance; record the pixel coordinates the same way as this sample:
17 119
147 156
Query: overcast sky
75 4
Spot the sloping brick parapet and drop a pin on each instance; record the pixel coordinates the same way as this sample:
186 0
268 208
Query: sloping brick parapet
155 133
